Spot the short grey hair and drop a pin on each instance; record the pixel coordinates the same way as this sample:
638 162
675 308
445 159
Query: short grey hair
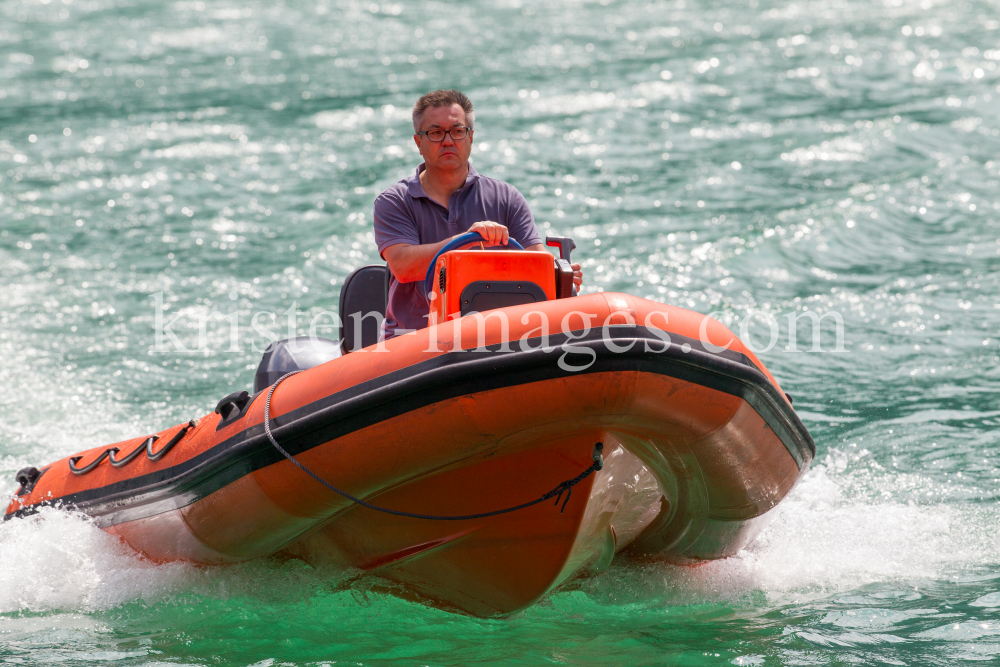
443 98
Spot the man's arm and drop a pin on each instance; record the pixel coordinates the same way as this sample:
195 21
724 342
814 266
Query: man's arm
409 262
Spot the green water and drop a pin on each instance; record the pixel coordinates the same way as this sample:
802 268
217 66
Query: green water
838 157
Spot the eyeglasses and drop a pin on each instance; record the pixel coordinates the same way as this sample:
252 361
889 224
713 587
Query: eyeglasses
456 133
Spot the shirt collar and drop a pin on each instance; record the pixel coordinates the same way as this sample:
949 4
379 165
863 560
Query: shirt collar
416 190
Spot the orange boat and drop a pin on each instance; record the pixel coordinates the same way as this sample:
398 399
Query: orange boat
480 462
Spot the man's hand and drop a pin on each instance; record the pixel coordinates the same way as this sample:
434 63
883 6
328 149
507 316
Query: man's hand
493 233
577 276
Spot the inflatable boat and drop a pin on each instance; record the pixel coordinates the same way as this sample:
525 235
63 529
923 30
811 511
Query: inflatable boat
520 441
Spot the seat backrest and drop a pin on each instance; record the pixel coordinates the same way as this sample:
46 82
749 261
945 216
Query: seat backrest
365 291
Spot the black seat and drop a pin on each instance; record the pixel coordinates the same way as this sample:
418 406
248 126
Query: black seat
366 291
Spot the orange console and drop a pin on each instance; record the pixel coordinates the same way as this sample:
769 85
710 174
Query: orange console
470 281
460 282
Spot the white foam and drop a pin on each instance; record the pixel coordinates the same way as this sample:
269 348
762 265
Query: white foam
964 631
988 600
824 540
839 530
847 524
58 560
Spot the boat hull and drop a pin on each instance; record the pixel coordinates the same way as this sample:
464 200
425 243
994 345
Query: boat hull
699 442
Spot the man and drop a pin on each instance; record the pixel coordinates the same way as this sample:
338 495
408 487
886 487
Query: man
445 198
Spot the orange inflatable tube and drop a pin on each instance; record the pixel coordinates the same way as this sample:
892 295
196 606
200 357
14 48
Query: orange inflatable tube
480 412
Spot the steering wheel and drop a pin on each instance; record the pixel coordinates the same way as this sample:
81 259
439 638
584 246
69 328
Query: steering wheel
458 242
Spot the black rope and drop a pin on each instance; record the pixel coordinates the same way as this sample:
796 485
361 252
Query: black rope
564 487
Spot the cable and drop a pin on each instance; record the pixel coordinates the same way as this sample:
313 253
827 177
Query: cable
564 487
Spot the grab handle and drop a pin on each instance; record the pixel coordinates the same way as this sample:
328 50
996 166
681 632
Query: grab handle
565 244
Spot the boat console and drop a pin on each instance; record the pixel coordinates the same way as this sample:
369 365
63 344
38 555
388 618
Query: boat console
461 282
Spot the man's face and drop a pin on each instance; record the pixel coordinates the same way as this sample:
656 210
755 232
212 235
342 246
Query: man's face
446 154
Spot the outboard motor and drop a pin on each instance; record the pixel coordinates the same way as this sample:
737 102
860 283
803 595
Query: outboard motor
294 354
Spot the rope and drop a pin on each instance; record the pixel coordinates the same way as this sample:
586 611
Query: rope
564 487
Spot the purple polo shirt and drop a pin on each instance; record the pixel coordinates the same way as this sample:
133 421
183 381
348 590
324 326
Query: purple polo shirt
405 214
